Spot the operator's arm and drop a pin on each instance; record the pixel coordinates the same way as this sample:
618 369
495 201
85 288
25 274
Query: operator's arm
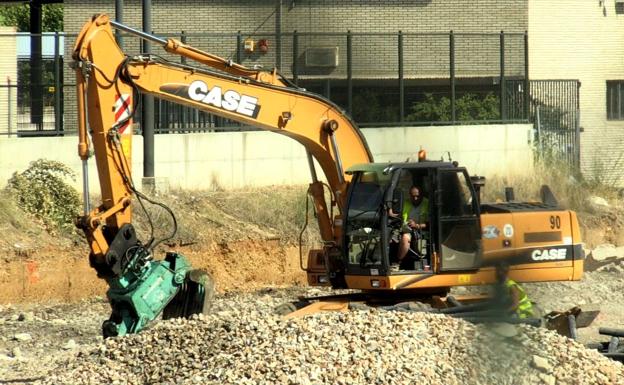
416 226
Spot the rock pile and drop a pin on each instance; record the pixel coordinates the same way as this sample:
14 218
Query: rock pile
244 342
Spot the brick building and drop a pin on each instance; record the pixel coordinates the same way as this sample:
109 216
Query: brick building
567 40
295 29
8 79
579 40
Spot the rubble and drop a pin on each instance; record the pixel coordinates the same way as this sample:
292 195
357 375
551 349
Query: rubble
22 337
244 342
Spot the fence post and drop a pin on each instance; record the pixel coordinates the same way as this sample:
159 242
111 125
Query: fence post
183 41
184 111
278 36
36 65
401 80
577 141
58 116
538 123
239 47
503 96
10 108
349 73
295 50
452 73
119 5
527 85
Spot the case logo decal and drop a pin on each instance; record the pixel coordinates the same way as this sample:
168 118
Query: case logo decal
549 255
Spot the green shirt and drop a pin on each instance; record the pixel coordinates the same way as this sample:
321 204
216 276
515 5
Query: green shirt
419 214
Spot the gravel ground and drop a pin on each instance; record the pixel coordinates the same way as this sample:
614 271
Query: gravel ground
244 342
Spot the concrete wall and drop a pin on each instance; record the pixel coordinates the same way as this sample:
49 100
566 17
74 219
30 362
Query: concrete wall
230 160
8 76
573 39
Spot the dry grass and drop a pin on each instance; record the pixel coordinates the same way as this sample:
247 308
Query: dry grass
572 191
276 212
598 225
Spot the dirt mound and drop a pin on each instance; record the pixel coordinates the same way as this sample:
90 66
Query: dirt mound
245 239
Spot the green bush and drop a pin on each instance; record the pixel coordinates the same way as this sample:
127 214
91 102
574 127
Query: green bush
42 190
371 106
469 107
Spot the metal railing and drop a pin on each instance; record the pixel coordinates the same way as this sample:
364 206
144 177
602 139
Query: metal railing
556 116
381 79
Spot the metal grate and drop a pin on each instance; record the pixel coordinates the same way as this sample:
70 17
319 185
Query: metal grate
555 114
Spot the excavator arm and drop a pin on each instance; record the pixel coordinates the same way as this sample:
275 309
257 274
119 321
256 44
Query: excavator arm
107 81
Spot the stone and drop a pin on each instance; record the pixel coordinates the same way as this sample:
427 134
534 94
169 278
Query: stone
22 337
504 329
604 251
598 203
244 341
547 379
27 317
541 363
16 352
71 344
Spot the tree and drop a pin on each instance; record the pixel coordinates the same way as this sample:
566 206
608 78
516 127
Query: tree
19 16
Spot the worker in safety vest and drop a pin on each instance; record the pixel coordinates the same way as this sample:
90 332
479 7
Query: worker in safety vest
520 304
415 219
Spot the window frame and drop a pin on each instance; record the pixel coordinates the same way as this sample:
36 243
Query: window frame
615 100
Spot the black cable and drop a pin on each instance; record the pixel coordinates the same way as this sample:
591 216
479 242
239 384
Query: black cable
305 225
123 171
124 168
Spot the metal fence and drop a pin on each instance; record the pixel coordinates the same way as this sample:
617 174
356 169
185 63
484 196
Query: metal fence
555 113
379 78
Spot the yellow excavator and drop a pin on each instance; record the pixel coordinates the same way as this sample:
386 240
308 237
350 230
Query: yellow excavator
360 226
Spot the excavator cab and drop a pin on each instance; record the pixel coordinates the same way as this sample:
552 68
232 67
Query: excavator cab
451 239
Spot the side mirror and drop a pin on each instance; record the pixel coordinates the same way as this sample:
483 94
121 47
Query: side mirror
397 201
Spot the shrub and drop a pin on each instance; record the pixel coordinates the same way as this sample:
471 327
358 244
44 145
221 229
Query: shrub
42 190
469 107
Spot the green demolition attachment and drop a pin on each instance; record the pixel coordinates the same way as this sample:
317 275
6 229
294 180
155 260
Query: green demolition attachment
140 288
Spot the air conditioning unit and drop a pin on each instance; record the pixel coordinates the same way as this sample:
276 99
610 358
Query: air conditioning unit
321 57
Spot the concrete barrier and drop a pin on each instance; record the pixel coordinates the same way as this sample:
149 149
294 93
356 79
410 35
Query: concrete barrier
259 158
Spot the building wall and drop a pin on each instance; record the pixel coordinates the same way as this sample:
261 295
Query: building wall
8 77
242 159
376 54
476 16
425 23
582 40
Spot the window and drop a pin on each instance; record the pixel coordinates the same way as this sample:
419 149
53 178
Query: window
615 99
456 195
